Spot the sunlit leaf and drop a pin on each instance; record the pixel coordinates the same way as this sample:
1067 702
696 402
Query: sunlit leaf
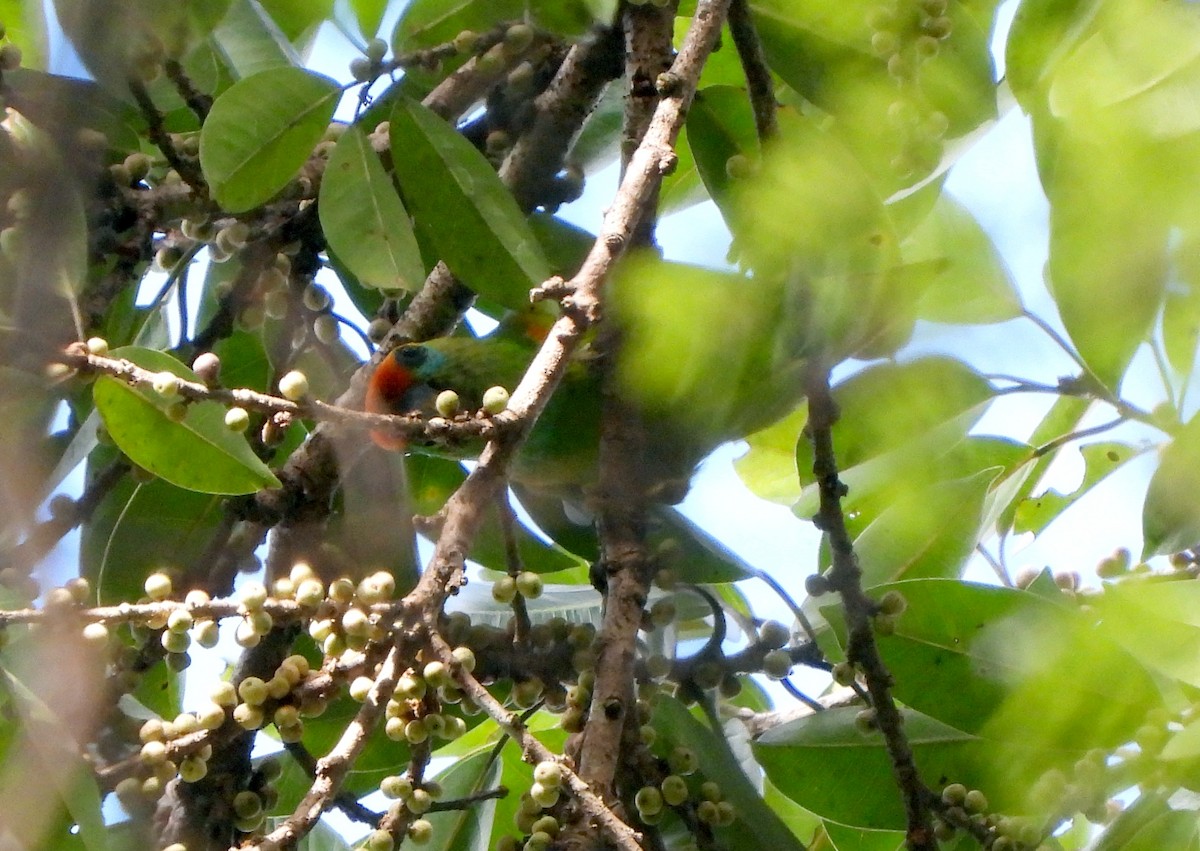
1157 623
251 42
1171 514
969 282
1035 513
363 219
768 467
199 453
722 126
261 130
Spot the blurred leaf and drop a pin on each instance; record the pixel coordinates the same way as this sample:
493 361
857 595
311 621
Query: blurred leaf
985 659
1062 418
251 43
25 25
200 453
1157 622
969 282
295 18
889 404
260 132
426 23
459 203
931 533
363 219
1035 513
432 480
42 95
1140 821
707 352
369 15
1181 307
824 764
757 826
721 124
768 468
51 737
1171 514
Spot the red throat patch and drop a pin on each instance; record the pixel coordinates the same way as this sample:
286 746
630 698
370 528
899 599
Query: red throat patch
385 391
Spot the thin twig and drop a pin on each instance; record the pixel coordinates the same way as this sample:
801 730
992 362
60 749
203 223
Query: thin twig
845 577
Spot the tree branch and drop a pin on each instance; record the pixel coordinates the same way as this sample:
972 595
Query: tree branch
845 577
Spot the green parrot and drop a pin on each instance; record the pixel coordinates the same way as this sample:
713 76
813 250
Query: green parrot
702 361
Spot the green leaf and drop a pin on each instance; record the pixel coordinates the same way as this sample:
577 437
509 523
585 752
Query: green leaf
721 125
26 28
426 23
757 826
1062 418
296 18
1171 513
468 828
1181 307
986 660
969 282
251 42
824 764
139 528
854 839
1035 513
198 454
323 838
52 739
1157 623
260 132
462 208
369 15
1137 827
929 534
364 220
768 468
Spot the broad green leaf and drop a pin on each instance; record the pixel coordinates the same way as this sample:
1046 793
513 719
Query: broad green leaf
369 15
469 828
139 528
1171 513
380 755
1157 622
363 219
757 826
198 454
986 659
768 468
1062 418
855 839
296 18
1107 271
824 764
463 209
426 23
1140 61
1035 513
969 282
1181 307
1137 827
889 404
251 42
929 534
260 132
721 125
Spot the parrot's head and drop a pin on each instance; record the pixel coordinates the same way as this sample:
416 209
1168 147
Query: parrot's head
400 385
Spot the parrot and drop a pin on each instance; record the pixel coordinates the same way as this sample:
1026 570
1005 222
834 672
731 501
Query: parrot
705 357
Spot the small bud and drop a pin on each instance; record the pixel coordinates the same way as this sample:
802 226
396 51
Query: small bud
495 400
447 403
237 419
294 386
